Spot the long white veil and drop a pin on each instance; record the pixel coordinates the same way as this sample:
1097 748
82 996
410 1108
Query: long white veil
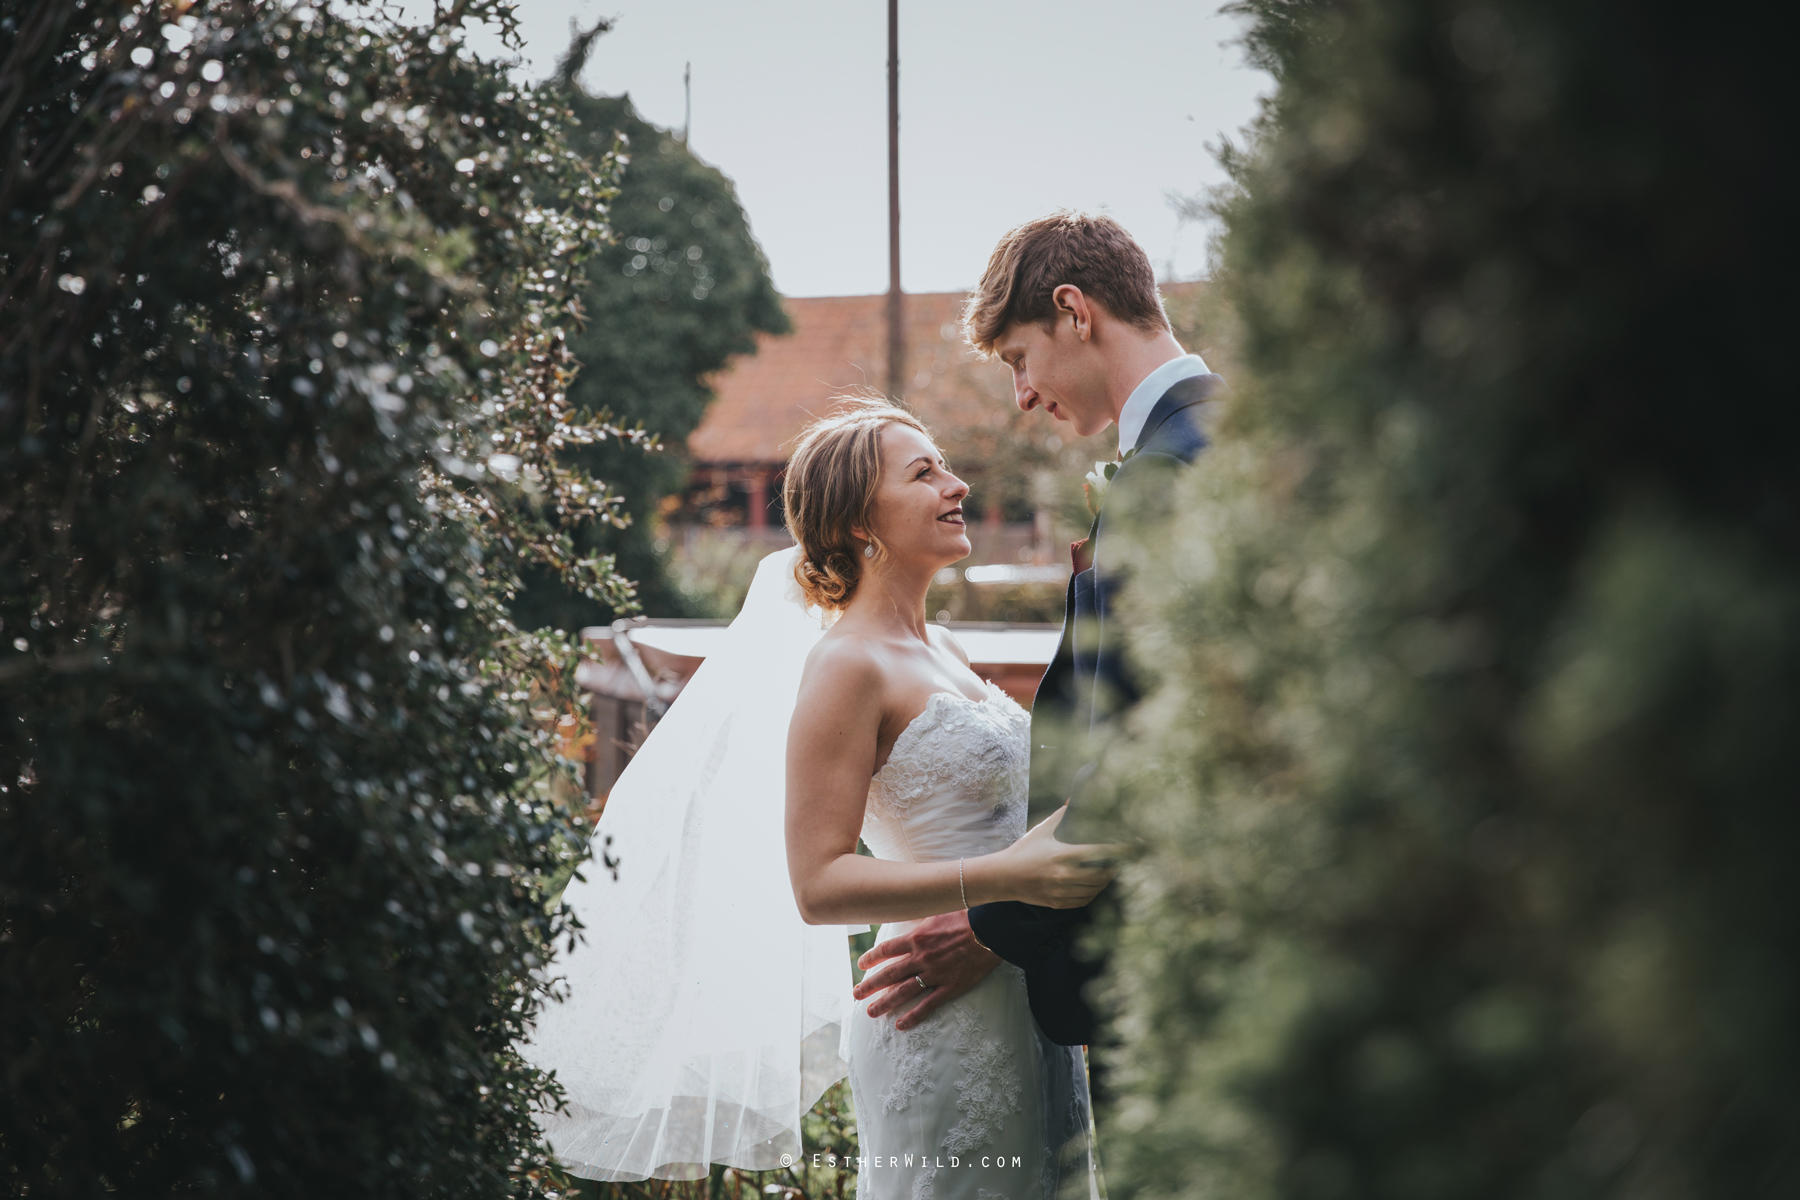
703 1017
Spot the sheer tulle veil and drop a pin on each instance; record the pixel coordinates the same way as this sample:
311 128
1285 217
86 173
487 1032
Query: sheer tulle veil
702 1017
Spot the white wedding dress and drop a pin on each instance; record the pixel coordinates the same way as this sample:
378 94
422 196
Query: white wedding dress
702 1018
974 1103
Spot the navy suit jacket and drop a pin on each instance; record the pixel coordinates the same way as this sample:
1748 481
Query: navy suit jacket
1086 688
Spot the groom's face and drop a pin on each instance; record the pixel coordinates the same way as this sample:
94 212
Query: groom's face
1056 370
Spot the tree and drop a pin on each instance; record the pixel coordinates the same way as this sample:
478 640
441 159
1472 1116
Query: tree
680 289
282 382
1469 778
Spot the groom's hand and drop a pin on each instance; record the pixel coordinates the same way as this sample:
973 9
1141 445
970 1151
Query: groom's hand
942 951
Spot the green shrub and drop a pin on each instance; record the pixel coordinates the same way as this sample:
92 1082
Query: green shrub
1469 780
679 290
281 378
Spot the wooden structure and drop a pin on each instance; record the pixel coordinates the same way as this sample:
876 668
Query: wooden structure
637 668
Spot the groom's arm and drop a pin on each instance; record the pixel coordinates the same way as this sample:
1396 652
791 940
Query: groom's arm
952 952
1043 942
1025 935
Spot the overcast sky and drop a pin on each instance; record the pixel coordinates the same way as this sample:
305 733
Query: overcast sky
1008 109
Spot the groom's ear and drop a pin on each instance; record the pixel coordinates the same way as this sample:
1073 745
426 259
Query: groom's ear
1073 307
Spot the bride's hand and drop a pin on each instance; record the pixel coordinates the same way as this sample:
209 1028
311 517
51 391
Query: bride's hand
1041 870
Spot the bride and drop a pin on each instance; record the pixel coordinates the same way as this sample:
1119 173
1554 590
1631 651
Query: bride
894 739
704 1013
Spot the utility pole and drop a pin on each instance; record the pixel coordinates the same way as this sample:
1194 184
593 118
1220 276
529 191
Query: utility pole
896 316
687 91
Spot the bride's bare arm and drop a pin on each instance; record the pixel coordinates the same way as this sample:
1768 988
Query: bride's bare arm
830 759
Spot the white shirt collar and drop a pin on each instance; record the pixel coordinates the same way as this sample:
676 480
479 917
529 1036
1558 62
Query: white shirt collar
1144 396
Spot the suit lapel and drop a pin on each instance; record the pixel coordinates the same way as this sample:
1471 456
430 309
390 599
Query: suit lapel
1065 693
1187 440
1171 429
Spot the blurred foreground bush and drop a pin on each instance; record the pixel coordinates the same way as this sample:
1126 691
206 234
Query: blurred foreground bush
1471 777
281 378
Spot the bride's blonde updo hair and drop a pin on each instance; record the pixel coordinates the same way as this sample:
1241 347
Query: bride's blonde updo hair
830 487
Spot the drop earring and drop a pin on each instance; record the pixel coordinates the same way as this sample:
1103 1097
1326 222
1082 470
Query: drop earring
869 550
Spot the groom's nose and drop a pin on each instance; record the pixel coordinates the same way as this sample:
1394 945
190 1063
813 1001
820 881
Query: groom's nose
1025 395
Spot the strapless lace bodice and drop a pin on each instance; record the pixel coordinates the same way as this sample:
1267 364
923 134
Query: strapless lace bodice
973 1102
955 784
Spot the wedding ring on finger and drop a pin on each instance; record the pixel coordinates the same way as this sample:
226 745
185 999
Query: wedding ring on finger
920 980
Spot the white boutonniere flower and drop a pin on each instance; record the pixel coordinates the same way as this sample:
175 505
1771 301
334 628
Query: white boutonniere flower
1099 479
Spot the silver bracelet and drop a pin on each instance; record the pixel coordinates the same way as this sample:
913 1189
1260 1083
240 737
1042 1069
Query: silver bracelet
959 885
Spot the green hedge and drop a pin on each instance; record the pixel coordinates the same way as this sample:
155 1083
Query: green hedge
281 375
679 290
1470 779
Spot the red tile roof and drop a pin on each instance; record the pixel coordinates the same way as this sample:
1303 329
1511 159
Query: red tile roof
839 344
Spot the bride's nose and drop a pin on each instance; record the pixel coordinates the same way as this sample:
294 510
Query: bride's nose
957 489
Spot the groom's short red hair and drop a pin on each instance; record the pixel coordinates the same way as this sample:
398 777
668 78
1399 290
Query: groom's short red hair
1092 252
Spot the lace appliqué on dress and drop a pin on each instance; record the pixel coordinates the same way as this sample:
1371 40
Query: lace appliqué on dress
1010 817
977 1078
906 1049
977 764
990 1085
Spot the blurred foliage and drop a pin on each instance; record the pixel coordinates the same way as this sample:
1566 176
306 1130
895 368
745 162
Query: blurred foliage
1202 321
712 568
681 289
1469 782
827 1170
1012 603
282 383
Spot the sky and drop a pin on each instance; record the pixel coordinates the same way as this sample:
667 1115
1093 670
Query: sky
1008 109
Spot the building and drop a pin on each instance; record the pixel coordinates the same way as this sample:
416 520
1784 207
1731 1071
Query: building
637 668
839 345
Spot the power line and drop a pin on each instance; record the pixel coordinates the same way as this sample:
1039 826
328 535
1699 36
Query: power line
895 313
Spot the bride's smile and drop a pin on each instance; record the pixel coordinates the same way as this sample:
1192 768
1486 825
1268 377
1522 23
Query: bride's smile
917 521
877 512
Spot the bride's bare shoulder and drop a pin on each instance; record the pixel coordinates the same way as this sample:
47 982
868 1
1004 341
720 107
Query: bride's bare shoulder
943 639
843 661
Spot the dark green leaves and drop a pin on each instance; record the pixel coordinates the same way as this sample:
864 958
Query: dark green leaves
1469 782
284 403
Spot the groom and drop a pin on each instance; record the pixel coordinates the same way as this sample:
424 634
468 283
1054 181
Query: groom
1069 303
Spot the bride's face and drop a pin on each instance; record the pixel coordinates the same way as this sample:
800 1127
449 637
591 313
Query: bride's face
918 502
